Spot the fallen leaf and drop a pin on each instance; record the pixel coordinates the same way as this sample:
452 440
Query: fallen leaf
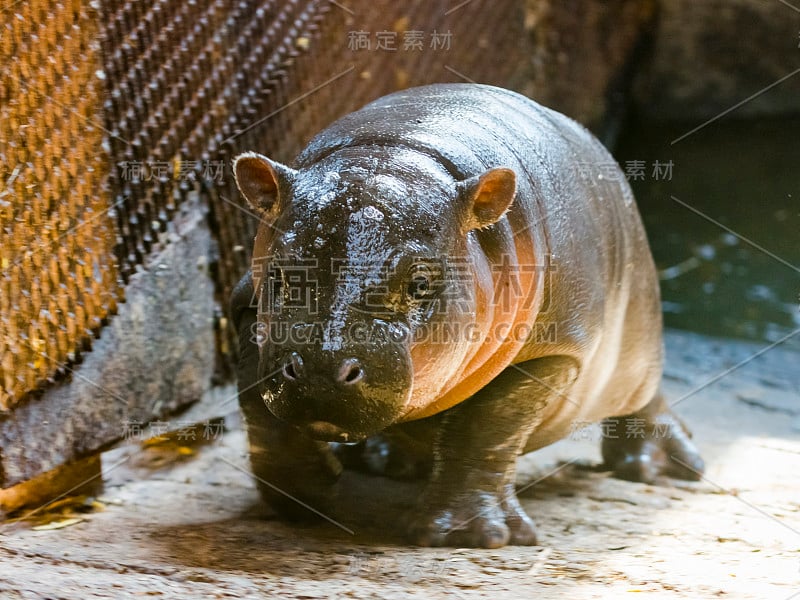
58 524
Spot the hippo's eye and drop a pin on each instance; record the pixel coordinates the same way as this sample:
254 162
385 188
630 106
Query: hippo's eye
421 285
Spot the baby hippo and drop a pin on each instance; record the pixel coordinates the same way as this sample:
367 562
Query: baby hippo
457 270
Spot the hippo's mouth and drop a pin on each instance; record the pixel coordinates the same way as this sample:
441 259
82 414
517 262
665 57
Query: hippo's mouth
328 432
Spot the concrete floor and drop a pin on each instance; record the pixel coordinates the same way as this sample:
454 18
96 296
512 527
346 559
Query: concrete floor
183 520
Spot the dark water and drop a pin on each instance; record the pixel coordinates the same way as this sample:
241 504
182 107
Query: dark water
745 175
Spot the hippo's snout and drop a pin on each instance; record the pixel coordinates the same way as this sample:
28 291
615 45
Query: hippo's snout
293 367
340 395
350 371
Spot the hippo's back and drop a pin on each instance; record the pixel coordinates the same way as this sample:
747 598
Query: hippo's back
573 201
467 127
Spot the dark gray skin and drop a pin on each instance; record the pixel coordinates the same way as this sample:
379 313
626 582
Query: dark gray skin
464 206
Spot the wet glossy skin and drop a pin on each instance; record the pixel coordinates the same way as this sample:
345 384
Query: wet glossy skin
457 206
363 256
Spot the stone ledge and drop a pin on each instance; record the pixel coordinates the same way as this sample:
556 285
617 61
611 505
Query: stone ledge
155 356
80 477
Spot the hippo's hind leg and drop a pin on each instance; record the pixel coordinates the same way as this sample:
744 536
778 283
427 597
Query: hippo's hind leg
292 472
470 498
650 443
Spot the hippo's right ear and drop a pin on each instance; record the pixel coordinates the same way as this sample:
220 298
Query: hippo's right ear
487 197
264 183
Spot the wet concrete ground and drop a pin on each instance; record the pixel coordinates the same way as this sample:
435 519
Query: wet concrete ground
185 521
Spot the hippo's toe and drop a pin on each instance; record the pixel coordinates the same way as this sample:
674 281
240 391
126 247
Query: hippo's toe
481 521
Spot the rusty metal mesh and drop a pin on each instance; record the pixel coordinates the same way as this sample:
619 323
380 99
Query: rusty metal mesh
410 43
59 275
180 87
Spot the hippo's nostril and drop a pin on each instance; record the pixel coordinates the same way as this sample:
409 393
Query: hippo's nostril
292 366
350 372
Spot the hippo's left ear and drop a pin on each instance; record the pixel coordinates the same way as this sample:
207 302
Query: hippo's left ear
263 182
487 197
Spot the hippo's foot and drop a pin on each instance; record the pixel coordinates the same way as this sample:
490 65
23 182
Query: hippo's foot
481 519
298 481
393 455
306 502
293 473
650 444
470 498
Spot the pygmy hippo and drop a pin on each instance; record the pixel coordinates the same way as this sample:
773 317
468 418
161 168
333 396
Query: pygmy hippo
458 271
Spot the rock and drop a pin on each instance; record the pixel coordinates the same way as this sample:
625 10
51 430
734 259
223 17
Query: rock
709 56
583 56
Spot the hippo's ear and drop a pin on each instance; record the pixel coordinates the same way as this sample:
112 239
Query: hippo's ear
487 197
264 183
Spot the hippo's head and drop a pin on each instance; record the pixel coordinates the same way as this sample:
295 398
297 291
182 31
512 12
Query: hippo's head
357 261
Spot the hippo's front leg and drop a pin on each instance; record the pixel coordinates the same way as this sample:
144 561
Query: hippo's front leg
470 498
292 472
